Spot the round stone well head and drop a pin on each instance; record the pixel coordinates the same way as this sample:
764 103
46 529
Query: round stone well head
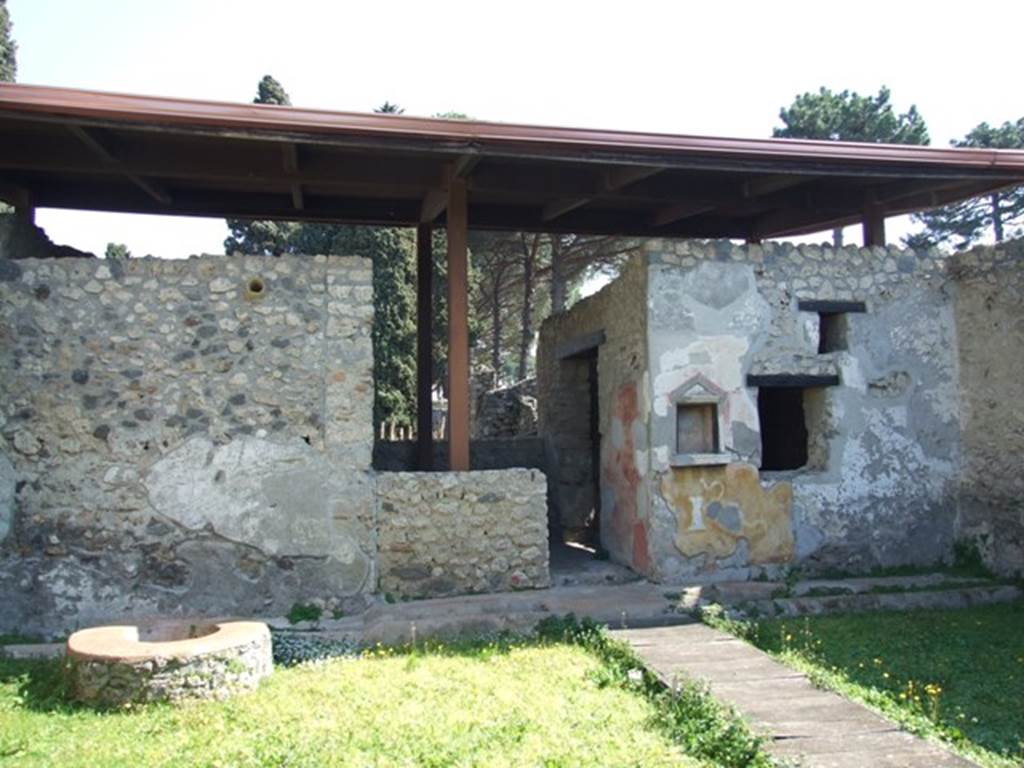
167 660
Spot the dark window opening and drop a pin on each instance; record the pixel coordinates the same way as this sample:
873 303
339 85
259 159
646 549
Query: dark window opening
696 428
783 428
831 332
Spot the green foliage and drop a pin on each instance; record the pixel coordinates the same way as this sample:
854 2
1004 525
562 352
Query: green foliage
269 91
944 674
387 108
1000 214
8 48
687 714
848 116
304 612
494 702
117 251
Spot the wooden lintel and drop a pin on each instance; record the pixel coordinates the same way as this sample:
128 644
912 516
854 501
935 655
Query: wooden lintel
830 306
559 207
678 212
792 380
298 199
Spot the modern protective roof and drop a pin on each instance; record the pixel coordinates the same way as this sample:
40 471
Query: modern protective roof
67 148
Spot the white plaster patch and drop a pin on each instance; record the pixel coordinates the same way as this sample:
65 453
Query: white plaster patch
850 372
281 498
725 369
79 592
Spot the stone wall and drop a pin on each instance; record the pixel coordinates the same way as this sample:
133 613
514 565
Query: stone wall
455 532
880 486
506 412
508 453
183 436
617 314
990 324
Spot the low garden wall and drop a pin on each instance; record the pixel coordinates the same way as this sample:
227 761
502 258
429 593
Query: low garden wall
444 533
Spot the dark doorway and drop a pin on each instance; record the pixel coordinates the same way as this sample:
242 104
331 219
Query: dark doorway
783 428
593 535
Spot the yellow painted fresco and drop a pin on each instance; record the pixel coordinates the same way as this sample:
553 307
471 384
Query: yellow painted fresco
718 506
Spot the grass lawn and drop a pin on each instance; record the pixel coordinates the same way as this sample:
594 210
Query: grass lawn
498 704
957 675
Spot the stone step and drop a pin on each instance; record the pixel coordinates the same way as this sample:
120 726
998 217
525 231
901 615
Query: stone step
945 599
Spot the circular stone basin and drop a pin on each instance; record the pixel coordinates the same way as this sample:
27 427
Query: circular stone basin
168 660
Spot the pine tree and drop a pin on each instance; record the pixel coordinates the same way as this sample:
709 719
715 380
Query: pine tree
999 213
8 48
269 91
848 116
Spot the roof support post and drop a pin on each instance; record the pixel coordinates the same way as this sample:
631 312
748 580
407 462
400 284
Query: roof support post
424 358
873 223
458 327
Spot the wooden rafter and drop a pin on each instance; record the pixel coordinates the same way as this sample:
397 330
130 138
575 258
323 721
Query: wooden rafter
90 140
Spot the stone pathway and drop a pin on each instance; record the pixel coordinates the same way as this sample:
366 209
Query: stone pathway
814 728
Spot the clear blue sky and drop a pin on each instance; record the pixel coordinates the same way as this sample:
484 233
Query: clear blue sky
721 68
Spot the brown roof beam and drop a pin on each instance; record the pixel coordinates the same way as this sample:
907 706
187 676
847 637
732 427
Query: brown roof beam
290 160
463 165
433 205
560 207
766 184
679 211
612 180
96 146
436 200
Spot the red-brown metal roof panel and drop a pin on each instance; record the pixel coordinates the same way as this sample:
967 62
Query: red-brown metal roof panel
66 102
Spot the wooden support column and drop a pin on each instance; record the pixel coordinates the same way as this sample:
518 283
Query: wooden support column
874 223
424 358
458 327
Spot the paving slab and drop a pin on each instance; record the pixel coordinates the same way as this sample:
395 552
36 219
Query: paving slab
815 728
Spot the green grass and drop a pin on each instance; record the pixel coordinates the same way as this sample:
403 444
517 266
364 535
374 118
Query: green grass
954 675
566 700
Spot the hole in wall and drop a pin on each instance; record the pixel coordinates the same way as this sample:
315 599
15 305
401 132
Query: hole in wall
794 428
255 288
832 332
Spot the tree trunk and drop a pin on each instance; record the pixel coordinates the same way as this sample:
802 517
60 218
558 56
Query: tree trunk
526 337
837 237
997 217
557 277
496 331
